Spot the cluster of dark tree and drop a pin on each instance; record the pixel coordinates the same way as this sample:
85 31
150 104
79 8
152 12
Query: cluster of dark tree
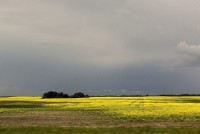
53 94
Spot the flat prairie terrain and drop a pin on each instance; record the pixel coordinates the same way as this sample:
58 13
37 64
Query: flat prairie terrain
151 114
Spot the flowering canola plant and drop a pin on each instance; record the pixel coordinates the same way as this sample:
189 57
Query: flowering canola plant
133 108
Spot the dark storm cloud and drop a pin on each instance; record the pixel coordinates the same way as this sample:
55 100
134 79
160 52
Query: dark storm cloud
99 47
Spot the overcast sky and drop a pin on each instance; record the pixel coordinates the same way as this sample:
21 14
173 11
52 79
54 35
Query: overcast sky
99 47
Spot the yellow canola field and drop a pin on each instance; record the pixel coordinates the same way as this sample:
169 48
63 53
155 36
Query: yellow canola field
133 108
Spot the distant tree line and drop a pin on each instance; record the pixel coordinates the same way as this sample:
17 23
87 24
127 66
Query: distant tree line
54 94
180 95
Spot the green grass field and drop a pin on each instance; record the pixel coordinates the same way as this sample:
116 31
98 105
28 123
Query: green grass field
152 114
118 130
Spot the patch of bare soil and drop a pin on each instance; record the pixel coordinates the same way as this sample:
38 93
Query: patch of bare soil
82 119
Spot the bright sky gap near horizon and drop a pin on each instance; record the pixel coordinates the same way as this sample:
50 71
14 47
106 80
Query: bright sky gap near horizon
99 47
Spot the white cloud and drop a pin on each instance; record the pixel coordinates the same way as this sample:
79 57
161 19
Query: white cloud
185 48
188 55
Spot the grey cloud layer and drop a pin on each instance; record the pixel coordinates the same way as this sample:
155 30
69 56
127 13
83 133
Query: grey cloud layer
95 45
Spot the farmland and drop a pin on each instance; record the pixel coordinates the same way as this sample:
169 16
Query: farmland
101 112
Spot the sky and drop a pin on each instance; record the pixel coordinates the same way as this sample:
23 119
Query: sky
99 47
